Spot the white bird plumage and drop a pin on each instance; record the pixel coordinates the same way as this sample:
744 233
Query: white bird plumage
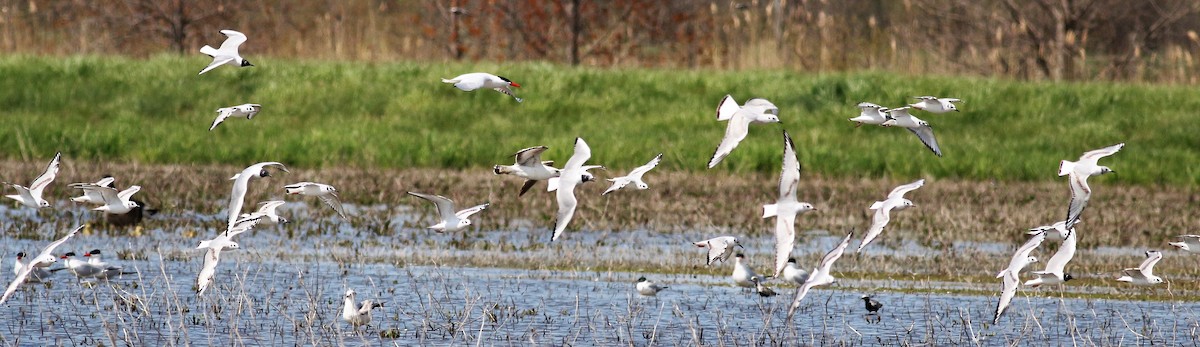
90 196
1011 274
228 53
1188 243
529 165
870 113
786 207
899 117
243 110
240 184
1078 173
356 313
214 246
755 111
895 202
43 259
820 276
449 220
266 211
114 202
472 81
327 193
1143 275
634 177
646 287
934 104
719 248
32 196
572 175
1055 272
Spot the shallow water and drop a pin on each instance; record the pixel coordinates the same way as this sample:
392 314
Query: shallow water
285 287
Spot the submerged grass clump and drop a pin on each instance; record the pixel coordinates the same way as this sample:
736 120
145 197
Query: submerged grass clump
399 115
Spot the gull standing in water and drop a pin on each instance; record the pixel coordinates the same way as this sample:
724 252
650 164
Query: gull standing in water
933 104
450 221
572 175
719 248
1079 172
755 111
42 260
355 313
895 201
820 276
110 271
870 114
327 193
32 196
901 118
647 288
1011 274
634 177
787 206
529 166
1055 272
1143 275
476 80
228 53
743 276
794 273
240 183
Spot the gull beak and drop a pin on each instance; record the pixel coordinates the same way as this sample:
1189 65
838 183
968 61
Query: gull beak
740 246
514 84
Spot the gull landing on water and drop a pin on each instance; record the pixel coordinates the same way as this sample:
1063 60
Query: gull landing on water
1143 275
529 166
634 177
243 110
1078 173
32 196
450 221
787 206
895 201
228 53
755 111
933 104
476 80
719 248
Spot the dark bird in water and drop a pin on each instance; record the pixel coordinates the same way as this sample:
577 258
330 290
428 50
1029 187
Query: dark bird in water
872 305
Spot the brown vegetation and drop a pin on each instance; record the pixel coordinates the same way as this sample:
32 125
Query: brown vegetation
1152 40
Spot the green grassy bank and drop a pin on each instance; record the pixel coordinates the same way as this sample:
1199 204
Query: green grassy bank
327 114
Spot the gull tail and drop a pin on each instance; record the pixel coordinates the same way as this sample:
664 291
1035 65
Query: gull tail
203 244
502 170
1065 167
208 50
877 205
1001 274
1180 245
449 81
769 210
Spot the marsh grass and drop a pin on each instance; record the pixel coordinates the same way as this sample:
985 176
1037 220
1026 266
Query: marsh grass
399 115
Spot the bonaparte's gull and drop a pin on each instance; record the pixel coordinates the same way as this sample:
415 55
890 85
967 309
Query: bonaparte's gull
820 276
476 80
787 206
90 196
43 259
743 276
32 196
1011 274
1079 172
794 273
870 114
756 106
895 201
228 53
114 202
327 193
634 177
572 175
243 110
266 211
449 220
647 288
757 111
1143 275
719 248
585 176
1055 272
1188 243
355 313
1054 232
240 183
212 255
38 275
529 166
935 104
900 117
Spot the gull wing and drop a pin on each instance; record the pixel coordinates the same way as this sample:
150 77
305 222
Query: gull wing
1080 194
735 132
41 182
207 271
925 133
1095 155
215 63
618 183
1152 258
581 155
1018 258
445 207
899 191
124 195
466 213
727 108
789 178
230 46
566 207
641 170
333 201
222 114
785 240
1066 251
1009 289
531 156
882 216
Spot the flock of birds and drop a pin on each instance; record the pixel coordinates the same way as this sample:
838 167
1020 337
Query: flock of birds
563 181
